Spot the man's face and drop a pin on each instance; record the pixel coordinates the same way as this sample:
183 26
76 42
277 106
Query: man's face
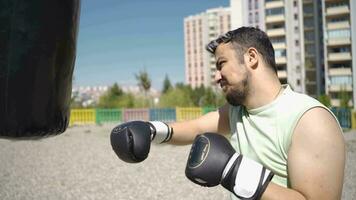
231 74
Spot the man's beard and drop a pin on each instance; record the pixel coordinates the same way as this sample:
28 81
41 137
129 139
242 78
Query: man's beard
237 95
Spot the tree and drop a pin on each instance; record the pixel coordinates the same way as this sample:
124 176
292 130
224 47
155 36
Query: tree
344 98
115 90
144 81
111 98
325 99
175 97
166 85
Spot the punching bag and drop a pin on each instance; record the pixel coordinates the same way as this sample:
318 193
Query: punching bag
37 56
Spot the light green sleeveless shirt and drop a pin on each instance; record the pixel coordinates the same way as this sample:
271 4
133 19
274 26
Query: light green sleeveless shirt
264 134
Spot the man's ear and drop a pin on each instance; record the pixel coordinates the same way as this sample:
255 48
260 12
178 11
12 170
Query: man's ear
251 58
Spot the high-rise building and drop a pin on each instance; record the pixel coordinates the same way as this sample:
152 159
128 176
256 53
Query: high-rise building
282 19
295 30
247 13
313 42
312 46
199 30
339 49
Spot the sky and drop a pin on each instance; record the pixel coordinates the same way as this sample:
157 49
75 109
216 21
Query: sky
119 38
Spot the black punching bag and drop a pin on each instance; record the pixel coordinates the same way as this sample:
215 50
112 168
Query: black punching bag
37 56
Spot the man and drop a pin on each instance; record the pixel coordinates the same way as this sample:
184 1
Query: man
292 135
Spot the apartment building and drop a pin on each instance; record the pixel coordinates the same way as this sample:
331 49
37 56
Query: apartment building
295 30
312 52
247 13
199 30
313 41
282 19
339 49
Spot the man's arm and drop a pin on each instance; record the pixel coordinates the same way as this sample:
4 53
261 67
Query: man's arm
316 160
217 122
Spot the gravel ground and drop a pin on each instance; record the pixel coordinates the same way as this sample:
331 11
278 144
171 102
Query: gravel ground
79 164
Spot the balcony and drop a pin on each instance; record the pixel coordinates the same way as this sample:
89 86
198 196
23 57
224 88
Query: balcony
282 74
339 41
338 25
274 4
307 2
338 88
339 56
338 10
279 45
281 60
340 72
276 32
275 18
336 102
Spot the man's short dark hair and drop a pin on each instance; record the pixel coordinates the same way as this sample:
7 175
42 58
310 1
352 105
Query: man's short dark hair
244 38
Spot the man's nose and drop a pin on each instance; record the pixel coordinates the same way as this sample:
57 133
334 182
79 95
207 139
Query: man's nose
217 76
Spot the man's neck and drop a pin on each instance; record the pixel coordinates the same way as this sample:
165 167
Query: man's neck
261 95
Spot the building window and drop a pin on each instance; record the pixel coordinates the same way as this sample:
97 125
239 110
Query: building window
297 56
298 82
297 68
256 17
280 53
296 16
297 43
341 80
250 20
295 4
341 33
274 11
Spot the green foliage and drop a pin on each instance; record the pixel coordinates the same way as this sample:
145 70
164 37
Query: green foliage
175 97
183 95
115 90
325 99
166 85
344 98
179 96
111 98
144 81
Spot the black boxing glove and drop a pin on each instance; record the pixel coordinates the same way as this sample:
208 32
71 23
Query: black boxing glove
131 141
212 161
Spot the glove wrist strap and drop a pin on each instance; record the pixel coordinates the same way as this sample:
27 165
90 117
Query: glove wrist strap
161 132
246 178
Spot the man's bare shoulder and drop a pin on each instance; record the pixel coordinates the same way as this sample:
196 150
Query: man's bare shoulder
318 122
316 158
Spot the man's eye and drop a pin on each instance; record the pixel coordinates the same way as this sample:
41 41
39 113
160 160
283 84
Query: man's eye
221 63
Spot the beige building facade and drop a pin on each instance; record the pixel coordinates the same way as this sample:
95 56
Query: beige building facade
339 49
199 30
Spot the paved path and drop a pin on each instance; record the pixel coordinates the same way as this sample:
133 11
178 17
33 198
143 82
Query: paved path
80 164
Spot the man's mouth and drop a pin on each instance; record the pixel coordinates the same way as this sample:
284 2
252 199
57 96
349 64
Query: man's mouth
223 85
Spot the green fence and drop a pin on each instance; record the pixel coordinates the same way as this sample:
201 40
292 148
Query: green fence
208 109
108 115
343 115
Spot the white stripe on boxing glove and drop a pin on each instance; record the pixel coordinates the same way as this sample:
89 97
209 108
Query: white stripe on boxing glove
161 132
251 178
